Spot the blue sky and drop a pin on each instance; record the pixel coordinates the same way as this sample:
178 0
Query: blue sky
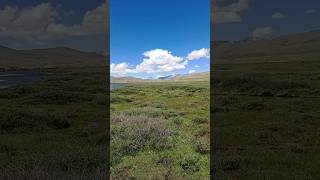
159 27
248 18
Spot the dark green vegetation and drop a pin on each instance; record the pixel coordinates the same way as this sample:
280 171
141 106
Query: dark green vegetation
56 129
160 131
265 110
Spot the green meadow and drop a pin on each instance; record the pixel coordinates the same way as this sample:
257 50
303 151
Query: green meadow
57 128
265 118
160 131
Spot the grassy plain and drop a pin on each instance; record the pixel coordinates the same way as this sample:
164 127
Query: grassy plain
266 119
161 131
56 129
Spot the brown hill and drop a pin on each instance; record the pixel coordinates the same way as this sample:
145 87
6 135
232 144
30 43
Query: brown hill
47 58
272 49
203 76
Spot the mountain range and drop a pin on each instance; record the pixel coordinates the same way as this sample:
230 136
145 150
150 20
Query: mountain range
201 76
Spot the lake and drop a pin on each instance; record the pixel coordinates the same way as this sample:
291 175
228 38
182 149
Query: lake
114 86
11 79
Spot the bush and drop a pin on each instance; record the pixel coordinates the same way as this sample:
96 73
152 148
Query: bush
177 121
202 148
130 134
190 164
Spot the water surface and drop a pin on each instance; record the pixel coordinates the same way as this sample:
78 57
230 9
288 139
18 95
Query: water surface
11 79
114 86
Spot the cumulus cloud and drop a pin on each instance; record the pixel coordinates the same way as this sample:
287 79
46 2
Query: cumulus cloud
229 13
196 66
311 11
263 32
28 23
120 69
198 54
94 22
160 60
279 15
40 22
192 71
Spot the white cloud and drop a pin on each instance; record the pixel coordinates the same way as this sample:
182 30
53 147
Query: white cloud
192 71
229 13
27 23
198 54
263 32
196 66
311 11
39 22
94 22
159 60
279 15
120 69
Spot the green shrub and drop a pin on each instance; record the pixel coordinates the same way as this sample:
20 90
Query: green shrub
177 121
190 164
202 148
130 134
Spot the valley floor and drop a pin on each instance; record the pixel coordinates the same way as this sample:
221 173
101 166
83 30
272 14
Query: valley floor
161 131
56 128
266 120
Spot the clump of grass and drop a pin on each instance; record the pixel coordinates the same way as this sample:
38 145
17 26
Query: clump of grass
177 121
230 164
200 120
115 99
190 164
158 105
202 148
